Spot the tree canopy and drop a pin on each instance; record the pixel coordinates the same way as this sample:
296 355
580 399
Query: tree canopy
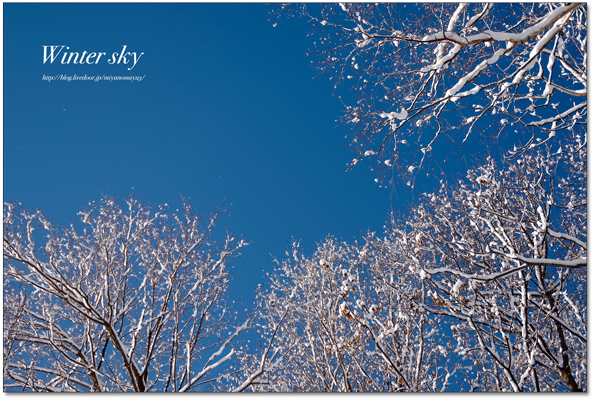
481 287
431 74
128 300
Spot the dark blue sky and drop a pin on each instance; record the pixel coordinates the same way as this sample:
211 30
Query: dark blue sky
228 111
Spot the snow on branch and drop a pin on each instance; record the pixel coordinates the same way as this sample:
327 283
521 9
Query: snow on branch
395 58
127 300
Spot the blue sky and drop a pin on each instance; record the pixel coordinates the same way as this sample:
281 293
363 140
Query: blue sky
228 113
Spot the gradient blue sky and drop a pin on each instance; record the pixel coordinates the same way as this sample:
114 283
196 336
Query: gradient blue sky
228 112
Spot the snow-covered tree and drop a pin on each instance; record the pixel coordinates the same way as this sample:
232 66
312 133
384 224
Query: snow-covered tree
504 259
342 328
127 300
479 288
447 74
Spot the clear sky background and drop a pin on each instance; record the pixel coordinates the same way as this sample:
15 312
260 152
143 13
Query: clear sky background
228 113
